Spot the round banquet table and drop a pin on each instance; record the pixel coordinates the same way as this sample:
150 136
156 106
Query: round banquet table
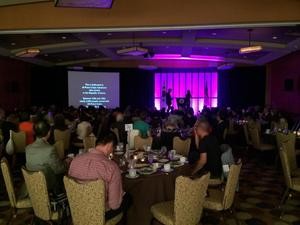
147 190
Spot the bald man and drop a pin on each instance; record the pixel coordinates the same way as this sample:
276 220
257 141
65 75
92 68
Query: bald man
209 153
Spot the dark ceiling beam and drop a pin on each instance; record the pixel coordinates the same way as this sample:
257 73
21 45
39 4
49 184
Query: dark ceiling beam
291 47
93 41
189 38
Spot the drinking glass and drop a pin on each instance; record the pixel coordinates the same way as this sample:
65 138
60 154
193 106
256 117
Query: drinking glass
150 158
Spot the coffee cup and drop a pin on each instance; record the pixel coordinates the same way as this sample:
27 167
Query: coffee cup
148 148
132 172
167 167
155 166
118 148
71 155
182 159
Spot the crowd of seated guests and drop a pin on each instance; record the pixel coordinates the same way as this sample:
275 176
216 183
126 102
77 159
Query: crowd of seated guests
208 152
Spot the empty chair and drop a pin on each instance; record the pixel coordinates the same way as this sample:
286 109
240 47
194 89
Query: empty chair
116 132
219 200
19 140
290 142
181 146
246 135
89 142
87 202
292 184
139 142
187 207
256 140
59 146
38 193
63 136
15 202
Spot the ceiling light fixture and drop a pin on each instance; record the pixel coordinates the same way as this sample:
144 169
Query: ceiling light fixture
275 37
64 37
13 44
191 57
28 53
134 50
250 49
214 33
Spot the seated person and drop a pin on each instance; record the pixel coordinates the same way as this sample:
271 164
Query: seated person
27 127
167 135
209 153
41 156
220 127
142 126
95 165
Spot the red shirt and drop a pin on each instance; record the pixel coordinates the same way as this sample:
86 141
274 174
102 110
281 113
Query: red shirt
95 165
27 127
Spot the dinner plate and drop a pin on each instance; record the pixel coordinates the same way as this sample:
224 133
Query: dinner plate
136 176
176 164
146 171
166 171
163 160
118 153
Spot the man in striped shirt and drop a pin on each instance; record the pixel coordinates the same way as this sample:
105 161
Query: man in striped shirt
96 164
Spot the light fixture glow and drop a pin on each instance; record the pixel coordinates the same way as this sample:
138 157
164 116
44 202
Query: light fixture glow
250 49
191 57
28 53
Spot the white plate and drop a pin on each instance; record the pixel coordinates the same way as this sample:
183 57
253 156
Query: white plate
144 172
119 153
136 176
166 171
163 160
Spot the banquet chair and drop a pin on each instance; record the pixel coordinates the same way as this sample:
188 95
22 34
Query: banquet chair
87 203
19 140
222 201
59 146
187 207
290 141
89 142
182 146
15 202
256 140
292 184
246 135
116 132
39 196
64 136
139 142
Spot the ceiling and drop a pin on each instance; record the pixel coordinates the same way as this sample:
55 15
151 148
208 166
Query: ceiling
99 48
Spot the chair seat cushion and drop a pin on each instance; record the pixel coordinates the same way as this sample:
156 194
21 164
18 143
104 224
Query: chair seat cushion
23 203
114 220
164 212
296 184
54 216
296 172
266 147
214 200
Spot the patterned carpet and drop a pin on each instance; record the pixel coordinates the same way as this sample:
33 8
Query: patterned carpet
261 187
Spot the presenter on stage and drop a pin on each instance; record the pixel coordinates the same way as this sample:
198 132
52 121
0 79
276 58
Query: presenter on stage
188 97
169 100
163 98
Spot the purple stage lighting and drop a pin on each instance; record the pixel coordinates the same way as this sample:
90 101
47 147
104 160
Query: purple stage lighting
191 57
203 87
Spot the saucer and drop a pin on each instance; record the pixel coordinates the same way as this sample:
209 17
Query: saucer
118 153
127 176
163 160
166 171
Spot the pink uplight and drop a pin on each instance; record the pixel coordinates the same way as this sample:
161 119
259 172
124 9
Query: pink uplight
191 57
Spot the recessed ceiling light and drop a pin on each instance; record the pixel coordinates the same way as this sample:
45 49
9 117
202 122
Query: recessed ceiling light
214 34
46 54
13 43
164 32
87 50
64 37
275 37
109 34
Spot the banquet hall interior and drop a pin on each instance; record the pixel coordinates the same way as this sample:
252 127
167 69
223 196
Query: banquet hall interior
150 112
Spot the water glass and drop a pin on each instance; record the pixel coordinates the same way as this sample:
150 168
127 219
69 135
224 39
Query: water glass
150 158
